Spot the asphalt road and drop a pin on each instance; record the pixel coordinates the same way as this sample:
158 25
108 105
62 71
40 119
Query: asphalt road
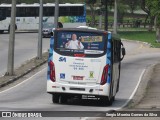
25 48
31 95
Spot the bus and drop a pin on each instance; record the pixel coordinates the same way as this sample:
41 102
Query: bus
27 15
84 63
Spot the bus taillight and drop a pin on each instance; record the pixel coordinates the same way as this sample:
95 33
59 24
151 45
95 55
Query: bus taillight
104 75
52 71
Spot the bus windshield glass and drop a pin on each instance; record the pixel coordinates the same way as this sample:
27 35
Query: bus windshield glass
88 43
2 14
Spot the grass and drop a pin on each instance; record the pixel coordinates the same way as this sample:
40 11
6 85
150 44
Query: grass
144 36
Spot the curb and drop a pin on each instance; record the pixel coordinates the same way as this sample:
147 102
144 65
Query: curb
11 79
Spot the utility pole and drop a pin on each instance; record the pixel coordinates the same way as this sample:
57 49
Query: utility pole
100 20
115 17
39 52
10 65
56 13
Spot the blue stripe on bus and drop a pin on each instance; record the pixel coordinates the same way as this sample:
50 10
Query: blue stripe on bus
50 57
108 59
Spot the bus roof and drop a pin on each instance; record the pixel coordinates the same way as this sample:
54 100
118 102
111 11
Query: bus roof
81 29
37 5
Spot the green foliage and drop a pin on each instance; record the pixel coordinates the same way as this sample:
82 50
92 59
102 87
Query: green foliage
122 9
154 6
91 1
132 4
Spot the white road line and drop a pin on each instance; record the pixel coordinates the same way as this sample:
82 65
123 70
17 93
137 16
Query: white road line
24 81
133 93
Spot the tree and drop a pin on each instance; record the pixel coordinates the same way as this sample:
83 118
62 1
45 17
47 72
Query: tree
91 4
122 10
147 7
152 8
155 11
132 4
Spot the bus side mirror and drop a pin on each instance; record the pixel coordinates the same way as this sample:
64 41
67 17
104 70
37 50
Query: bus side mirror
123 51
52 33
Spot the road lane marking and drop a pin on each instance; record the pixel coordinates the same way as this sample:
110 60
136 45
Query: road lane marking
134 91
24 81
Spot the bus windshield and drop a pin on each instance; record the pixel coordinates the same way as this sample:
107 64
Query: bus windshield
88 43
2 14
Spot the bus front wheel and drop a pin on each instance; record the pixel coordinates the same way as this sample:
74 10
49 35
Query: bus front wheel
1 31
9 28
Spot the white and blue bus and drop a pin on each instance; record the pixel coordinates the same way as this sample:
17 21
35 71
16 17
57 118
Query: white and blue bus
27 15
92 69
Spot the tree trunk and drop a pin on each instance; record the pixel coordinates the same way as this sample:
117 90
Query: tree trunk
151 23
158 34
157 28
145 22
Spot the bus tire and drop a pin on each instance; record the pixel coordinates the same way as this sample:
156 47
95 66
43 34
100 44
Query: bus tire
9 28
1 31
55 98
63 99
110 101
110 98
107 101
118 78
117 86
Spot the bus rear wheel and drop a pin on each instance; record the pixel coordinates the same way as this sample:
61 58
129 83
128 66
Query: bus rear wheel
107 101
63 99
55 98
